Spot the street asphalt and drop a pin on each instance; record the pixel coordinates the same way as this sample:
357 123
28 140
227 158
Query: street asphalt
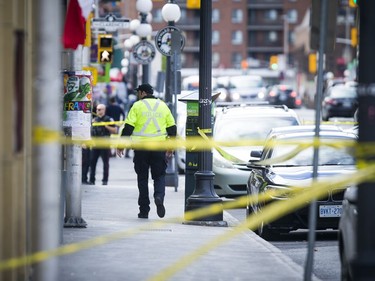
116 245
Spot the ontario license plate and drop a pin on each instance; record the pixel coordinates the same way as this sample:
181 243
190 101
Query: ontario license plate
330 211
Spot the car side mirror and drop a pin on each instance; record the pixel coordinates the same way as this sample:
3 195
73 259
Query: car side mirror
255 153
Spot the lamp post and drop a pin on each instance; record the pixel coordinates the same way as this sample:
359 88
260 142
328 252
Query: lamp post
144 29
204 193
130 43
171 13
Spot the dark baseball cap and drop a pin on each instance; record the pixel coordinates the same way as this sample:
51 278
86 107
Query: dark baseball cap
145 88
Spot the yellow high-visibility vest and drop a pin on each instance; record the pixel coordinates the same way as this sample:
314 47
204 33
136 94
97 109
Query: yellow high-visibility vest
150 117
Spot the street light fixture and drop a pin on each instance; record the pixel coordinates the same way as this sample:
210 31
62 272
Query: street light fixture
144 30
171 13
204 193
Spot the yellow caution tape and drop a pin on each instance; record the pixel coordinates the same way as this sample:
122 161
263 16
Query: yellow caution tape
301 197
108 123
271 212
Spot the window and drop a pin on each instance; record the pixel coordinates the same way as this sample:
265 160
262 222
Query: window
272 36
215 15
236 60
237 16
215 37
215 59
183 14
292 16
271 15
237 37
156 16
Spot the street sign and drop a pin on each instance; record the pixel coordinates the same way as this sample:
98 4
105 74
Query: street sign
163 40
110 23
144 52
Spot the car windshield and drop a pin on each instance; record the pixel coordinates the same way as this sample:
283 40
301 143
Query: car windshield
328 155
249 128
344 92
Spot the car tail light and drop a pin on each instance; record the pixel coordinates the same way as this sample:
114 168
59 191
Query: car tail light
293 94
331 101
298 102
272 94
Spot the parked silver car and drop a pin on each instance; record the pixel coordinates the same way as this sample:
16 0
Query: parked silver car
238 122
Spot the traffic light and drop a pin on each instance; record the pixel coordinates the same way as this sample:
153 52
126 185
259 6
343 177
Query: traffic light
354 36
105 48
312 63
353 3
193 4
274 62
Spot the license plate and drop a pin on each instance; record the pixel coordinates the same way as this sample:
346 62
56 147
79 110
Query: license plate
330 211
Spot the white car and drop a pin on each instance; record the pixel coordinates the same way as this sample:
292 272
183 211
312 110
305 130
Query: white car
235 123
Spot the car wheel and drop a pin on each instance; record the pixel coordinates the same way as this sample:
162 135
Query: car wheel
325 116
266 233
263 229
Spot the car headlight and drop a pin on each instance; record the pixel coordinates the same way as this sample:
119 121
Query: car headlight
235 96
280 188
222 96
219 161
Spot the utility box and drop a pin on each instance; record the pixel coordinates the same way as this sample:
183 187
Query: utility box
191 129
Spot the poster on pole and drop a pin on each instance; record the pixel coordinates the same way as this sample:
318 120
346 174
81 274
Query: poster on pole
77 103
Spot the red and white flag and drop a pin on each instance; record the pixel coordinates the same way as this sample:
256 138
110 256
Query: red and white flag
75 23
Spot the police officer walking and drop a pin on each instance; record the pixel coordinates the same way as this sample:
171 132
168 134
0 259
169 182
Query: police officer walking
149 119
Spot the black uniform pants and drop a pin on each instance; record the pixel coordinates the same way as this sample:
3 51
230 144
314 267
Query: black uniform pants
85 163
94 156
143 162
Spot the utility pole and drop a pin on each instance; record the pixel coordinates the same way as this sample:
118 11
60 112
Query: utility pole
45 194
364 263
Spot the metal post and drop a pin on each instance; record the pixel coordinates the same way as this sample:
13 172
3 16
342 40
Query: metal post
73 196
145 67
364 262
204 193
145 72
319 93
46 192
172 69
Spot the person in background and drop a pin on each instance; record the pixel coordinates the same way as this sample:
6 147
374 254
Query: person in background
104 153
117 113
114 110
86 151
149 119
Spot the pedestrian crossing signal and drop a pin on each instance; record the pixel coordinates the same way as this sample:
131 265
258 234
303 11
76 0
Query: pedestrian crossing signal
274 62
105 48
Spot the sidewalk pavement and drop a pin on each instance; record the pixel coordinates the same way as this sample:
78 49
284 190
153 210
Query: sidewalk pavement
146 254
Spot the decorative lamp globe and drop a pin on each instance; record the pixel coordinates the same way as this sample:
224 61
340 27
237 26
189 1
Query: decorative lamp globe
144 6
134 24
144 30
171 12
